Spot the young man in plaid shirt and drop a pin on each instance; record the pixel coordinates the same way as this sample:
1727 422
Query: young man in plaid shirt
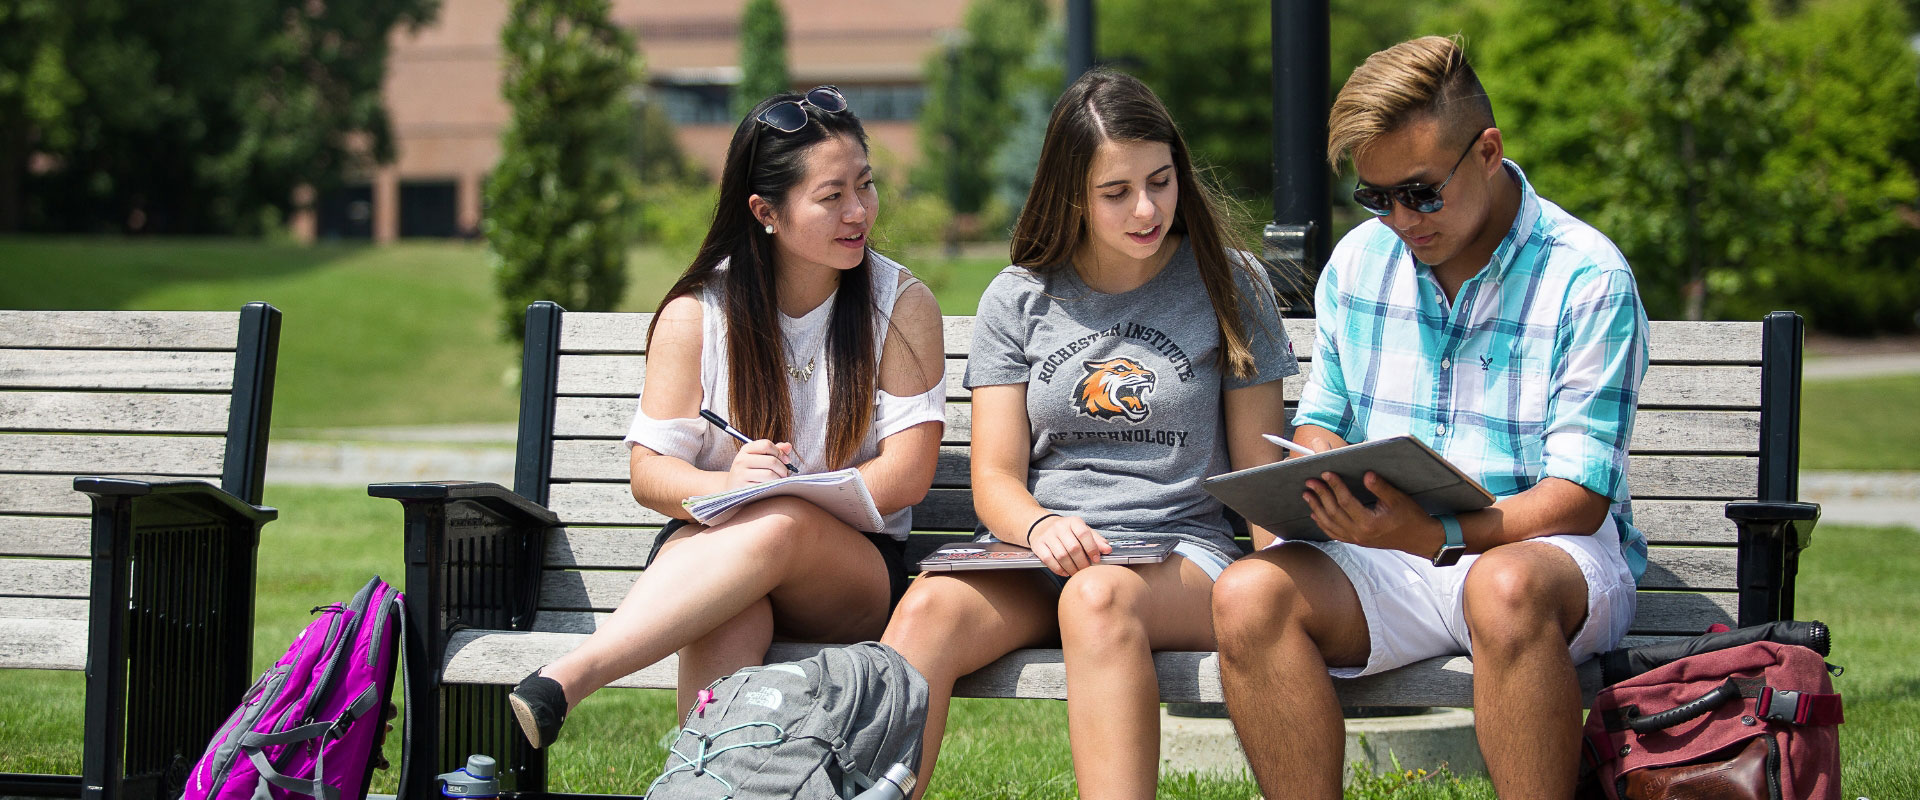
1508 336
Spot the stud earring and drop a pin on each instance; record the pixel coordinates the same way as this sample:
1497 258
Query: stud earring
769 229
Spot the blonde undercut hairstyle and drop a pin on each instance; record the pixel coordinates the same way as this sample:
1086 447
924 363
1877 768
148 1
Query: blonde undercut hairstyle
1425 78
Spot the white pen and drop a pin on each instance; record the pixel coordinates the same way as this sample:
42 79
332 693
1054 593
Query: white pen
1289 444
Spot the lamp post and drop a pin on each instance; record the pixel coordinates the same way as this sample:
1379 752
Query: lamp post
1079 39
1300 235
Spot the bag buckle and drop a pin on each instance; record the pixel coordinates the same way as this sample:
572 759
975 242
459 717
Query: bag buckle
1783 705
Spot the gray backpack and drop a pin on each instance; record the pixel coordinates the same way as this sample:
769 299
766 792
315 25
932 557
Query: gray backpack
823 728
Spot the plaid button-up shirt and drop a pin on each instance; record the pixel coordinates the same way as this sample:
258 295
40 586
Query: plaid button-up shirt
1533 371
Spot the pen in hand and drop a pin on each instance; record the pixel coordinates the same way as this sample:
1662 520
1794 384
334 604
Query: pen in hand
721 423
1287 443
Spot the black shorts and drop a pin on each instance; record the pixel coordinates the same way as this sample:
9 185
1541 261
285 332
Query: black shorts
893 553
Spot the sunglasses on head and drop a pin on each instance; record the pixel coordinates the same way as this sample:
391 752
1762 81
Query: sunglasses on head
791 115
1419 197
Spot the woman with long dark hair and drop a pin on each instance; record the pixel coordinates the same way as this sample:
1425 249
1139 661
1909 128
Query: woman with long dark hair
1130 351
794 328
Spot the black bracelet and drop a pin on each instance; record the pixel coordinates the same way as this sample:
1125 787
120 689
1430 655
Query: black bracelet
1036 524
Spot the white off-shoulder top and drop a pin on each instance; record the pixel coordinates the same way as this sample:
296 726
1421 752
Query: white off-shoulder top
703 445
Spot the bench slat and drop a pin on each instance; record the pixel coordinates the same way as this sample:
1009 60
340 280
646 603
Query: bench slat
1669 341
1675 523
114 412
198 456
1669 568
599 504
45 577
1668 476
60 537
12 608
1663 521
1665 386
612 504
41 494
501 658
121 330
1654 430
134 370
43 644
1672 431
1686 522
608 418
1660 614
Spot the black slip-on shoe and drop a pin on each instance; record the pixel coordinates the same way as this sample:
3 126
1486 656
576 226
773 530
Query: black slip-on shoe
541 707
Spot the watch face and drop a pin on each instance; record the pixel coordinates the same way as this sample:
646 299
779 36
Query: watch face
1449 555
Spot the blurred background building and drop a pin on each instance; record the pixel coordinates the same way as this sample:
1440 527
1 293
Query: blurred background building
442 91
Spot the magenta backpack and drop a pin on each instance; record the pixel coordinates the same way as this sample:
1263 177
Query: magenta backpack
312 724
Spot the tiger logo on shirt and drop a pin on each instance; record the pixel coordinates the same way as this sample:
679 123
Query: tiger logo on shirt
1114 389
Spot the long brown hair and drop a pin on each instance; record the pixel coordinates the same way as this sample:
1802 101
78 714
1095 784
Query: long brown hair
1104 105
769 163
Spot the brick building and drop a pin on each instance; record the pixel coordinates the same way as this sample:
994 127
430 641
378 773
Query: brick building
443 96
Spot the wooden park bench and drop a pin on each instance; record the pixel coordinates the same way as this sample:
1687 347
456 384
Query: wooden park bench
141 575
503 582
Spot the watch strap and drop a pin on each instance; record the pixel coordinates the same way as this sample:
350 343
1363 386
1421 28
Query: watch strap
1454 545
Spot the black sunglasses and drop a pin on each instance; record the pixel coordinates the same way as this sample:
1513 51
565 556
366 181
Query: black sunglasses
791 115
1417 197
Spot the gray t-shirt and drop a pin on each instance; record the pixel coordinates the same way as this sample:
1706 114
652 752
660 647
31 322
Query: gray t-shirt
1124 392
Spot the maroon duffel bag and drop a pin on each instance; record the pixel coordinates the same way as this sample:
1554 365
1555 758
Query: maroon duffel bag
1755 721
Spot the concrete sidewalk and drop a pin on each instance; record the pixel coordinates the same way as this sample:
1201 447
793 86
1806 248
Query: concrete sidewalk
1870 365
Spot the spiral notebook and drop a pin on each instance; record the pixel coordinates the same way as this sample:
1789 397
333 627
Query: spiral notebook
842 493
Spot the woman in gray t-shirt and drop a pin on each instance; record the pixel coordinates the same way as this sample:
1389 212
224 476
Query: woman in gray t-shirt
1129 353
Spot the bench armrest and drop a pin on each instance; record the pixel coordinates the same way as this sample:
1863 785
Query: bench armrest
492 495
1772 534
474 551
185 490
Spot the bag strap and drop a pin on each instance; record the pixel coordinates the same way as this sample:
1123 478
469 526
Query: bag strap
1769 703
407 698
315 788
1798 708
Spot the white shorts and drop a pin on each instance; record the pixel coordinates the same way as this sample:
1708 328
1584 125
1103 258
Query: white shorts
1417 611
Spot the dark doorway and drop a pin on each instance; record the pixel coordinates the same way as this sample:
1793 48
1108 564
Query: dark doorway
429 208
346 213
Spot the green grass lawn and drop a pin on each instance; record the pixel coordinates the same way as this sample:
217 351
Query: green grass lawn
407 334
1861 423
328 541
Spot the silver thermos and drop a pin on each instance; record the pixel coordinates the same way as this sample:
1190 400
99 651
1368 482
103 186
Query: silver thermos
475 780
895 784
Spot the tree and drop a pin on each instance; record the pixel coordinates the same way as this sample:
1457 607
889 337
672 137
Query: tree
970 87
763 55
1724 147
190 118
560 201
36 90
1847 172
1212 65
1033 90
